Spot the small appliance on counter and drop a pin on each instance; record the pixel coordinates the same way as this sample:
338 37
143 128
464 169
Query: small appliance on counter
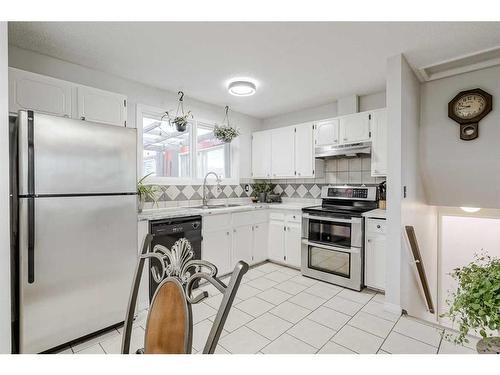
382 194
333 235
273 198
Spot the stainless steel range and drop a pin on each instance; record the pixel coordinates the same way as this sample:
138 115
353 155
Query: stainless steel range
333 235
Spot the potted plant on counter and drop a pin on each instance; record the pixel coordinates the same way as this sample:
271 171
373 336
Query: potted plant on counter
261 189
475 305
145 193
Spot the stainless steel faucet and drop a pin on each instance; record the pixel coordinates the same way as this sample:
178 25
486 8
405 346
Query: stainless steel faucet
205 199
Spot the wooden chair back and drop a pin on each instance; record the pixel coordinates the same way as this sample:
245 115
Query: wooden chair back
169 326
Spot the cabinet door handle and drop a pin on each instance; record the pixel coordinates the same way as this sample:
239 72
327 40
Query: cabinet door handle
345 139
368 240
227 233
234 230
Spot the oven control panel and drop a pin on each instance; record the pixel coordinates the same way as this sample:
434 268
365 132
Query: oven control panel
349 192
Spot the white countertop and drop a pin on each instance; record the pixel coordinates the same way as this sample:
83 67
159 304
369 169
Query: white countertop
376 213
168 213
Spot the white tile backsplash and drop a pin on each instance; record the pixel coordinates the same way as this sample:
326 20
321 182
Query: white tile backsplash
356 170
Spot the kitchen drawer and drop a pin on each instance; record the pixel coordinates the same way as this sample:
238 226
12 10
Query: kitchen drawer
276 216
293 218
249 218
216 222
376 226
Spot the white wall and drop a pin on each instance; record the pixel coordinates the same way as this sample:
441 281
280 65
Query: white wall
5 305
366 103
403 102
138 93
461 236
460 173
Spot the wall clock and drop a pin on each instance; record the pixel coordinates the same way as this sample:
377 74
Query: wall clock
468 108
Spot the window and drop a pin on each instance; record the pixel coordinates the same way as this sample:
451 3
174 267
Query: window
212 154
165 151
174 157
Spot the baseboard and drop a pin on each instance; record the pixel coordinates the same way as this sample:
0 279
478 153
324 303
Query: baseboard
391 307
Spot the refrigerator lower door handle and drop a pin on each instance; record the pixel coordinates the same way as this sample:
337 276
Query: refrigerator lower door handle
31 240
31 200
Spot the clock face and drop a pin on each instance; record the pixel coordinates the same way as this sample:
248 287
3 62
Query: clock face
469 106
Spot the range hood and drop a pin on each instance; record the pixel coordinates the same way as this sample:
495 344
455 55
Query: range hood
351 149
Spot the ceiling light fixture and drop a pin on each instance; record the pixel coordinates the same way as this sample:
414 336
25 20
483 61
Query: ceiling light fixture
470 209
242 88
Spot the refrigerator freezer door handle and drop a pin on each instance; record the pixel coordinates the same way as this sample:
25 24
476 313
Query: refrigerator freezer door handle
31 200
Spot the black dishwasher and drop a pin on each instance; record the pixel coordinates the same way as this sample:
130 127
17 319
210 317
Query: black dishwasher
166 232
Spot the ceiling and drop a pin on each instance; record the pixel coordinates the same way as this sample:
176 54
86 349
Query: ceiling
296 64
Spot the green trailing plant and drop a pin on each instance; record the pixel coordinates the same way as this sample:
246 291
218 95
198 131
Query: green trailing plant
146 192
225 133
262 187
475 305
181 122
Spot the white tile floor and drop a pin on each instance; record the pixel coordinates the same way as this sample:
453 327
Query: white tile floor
278 311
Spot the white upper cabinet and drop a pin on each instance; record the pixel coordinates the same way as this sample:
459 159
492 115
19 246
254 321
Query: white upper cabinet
56 97
101 106
283 152
286 152
39 93
304 151
326 133
379 143
355 128
261 154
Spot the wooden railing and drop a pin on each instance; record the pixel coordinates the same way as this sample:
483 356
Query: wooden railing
419 264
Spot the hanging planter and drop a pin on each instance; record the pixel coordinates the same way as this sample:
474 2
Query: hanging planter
180 120
225 132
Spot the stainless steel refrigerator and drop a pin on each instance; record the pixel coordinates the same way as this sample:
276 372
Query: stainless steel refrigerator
77 231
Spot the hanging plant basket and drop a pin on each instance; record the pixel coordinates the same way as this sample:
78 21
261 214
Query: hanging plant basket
225 132
180 120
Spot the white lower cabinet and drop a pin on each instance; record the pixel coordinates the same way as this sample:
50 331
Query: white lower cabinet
293 244
216 249
143 296
242 244
229 238
260 233
276 246
375 253
285 238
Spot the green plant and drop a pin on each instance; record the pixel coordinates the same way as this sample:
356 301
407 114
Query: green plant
476 302
181 121
146 192
225 133
262 187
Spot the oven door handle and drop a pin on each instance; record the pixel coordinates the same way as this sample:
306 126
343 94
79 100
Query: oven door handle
336 220
351 250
